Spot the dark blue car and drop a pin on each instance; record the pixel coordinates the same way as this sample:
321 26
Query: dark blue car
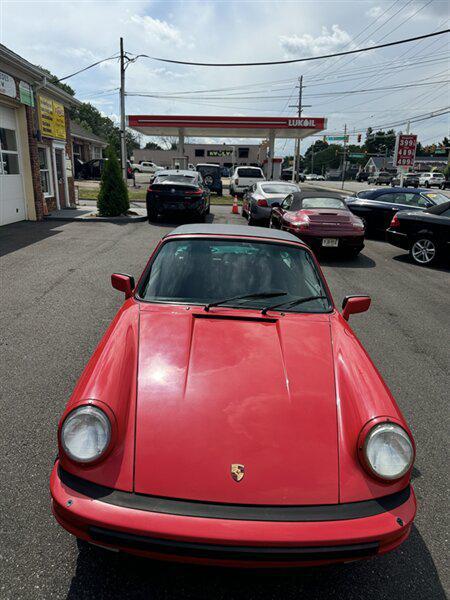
376 207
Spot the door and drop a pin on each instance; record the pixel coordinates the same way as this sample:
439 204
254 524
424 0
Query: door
60 177
278 212
12 197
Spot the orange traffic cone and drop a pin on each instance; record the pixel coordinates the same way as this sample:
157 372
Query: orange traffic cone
235 209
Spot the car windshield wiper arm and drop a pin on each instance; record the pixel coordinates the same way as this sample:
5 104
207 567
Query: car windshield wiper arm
294 302
244 297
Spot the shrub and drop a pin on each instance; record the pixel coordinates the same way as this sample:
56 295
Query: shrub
112 199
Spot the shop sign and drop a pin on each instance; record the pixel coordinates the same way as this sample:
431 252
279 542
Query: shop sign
52 122
26 93
7 85
219 152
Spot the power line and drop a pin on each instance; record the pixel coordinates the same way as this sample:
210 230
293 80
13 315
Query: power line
99 62
295 60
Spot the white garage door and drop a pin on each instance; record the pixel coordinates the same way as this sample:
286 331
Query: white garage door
12 198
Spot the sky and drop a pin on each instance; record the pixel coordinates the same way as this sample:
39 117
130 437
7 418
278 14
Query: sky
65 36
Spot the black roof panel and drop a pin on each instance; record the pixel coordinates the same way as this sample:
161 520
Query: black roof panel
237 230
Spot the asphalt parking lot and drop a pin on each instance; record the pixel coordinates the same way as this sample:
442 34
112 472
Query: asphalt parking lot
57 302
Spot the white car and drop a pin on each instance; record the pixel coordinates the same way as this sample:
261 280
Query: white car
243 178
314 177
145 166
430 179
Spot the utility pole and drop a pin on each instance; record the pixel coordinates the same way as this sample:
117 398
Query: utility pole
299 107
344 156
123 145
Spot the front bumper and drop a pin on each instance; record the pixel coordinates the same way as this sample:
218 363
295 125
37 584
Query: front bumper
230 535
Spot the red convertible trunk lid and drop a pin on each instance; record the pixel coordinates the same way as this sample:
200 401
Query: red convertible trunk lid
215 391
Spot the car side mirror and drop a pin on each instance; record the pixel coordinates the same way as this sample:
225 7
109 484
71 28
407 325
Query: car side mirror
123 283
352 305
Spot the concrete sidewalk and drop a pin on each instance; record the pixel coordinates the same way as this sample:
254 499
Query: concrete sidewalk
89 214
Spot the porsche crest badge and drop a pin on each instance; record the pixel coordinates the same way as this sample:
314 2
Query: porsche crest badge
237 471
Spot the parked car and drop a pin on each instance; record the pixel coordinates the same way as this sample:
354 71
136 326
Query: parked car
286 175
445 184
244 177
431 179
212 176
230 415
177 192
362 176
145 166
377 207
78 167
258 199
426 235
191 167
409 180
322 222
92 169
380 178
225 172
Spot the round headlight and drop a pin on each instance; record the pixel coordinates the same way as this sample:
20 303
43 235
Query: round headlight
388 450
85 434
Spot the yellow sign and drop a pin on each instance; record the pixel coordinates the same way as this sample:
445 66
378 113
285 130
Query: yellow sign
51 118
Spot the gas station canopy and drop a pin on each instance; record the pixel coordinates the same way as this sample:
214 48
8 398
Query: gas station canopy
227 127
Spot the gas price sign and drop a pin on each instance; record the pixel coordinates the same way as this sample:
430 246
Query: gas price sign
405 150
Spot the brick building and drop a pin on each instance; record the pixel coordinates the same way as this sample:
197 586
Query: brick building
36 158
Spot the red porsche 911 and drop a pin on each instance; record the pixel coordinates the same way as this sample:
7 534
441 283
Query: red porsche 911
322 222
230 416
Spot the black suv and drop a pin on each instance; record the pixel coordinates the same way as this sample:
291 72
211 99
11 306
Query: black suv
212 177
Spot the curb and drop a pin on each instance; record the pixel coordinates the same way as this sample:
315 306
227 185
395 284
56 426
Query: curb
137 219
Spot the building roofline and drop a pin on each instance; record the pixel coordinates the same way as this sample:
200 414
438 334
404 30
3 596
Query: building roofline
37 75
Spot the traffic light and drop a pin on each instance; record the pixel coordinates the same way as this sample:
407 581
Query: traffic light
359 138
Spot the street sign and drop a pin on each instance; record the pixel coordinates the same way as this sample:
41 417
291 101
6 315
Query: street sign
405 150
337 138
356 155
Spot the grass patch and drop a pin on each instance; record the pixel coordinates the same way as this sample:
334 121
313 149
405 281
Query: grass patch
139 195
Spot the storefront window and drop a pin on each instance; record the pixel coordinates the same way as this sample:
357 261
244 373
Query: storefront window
44 169
9 157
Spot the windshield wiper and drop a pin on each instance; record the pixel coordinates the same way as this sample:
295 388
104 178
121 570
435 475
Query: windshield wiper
294 302
244 297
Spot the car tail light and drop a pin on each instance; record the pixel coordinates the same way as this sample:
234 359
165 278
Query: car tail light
395 221
262 202
358 224
193 193
149 189
301 222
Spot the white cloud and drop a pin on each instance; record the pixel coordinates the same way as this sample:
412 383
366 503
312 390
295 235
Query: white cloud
159 31
328 41
374 12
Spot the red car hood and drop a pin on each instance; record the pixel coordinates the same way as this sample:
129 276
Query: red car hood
215 391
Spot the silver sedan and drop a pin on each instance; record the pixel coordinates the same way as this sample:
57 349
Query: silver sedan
260 197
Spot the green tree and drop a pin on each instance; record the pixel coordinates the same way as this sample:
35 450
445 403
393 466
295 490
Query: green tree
152 146
53 79
112 198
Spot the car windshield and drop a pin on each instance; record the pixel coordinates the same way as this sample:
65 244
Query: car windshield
204 271
436 198
278 188
175 179
323 203
254 173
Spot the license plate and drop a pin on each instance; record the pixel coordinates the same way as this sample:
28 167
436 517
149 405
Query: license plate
330 243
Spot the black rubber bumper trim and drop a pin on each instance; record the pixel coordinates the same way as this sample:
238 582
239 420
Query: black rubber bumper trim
237 512
241 553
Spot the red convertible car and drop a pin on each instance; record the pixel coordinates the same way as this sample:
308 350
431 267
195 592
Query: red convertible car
321 221
230 415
